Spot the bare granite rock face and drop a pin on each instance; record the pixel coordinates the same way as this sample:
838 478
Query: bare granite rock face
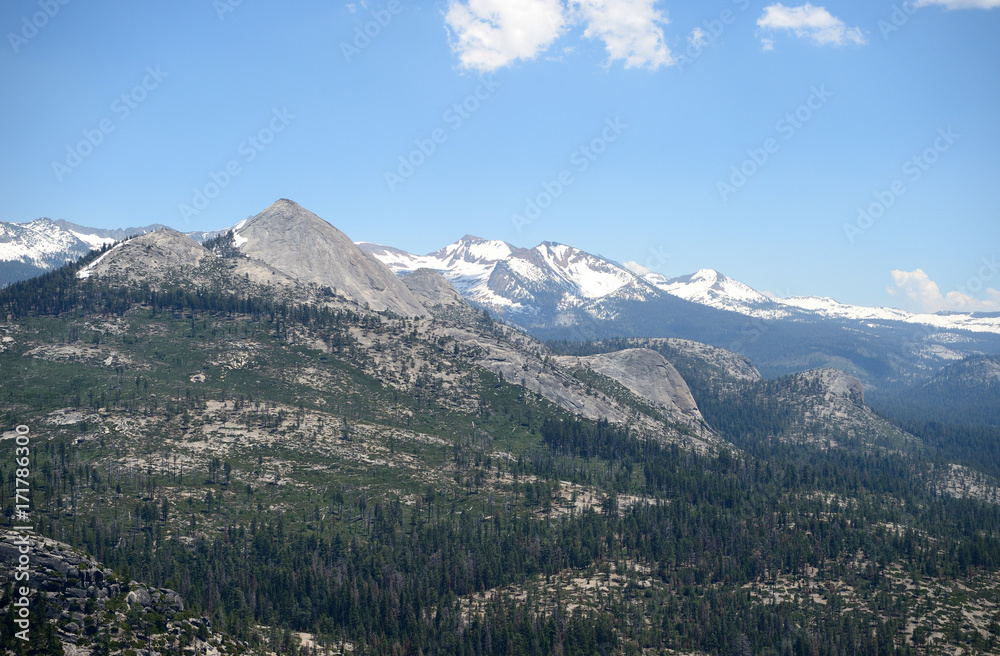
153 255
85 601
647 374
300 244
433 289
166 258
826 406
839 383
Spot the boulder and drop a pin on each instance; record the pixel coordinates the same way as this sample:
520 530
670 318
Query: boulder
139 596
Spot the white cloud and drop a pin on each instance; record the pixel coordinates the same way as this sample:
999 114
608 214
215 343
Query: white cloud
808 22
491 34
631 31
925 295
766 44
960 4
636 268
697 38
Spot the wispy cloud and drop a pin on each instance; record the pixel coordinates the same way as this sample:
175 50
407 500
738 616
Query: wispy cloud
960 4
636 268
808 22
697 38
491 34
924 294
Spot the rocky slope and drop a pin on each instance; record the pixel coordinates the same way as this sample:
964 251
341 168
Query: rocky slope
166 258
826 407
295 241
711 364
94 610
647 374
30 249
434 290
160 255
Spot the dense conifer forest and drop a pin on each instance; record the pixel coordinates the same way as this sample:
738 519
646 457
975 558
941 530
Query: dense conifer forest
770 546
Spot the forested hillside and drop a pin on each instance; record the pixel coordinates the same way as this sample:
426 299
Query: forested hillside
310 475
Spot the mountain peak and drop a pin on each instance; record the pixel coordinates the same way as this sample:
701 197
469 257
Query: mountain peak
707 274
154 255
285 211
474 249
295 241
709 287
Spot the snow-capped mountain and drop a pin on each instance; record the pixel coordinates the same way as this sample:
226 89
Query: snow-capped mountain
32 248
709 287
590 277
542 283
537 284
466 263
28 249
829 308
556 291
550 284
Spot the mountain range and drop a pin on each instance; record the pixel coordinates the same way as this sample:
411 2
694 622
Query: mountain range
266 440
31 248
558 292
532 285
526 285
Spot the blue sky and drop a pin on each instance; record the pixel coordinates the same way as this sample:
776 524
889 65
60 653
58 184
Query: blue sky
741 136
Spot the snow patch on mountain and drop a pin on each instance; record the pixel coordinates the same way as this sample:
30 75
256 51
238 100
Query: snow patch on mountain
592 277
88 270
40 243
831 308
587 280
709 287
94 241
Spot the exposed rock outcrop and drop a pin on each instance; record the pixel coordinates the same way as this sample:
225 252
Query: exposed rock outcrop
827 406
300 244
88 603
838 383
647 374
156 254
433 289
